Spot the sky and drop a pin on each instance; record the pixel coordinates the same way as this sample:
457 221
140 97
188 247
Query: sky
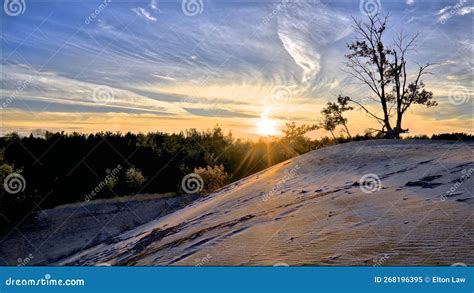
249 66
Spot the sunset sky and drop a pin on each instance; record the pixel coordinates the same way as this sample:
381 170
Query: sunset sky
249 66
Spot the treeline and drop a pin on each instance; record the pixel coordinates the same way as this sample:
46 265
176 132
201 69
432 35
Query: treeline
60 168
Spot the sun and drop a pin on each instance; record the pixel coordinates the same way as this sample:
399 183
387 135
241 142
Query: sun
266 126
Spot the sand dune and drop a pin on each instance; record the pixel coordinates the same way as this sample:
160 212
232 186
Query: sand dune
51 234
316 210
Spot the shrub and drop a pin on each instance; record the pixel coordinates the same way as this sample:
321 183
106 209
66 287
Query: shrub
453 136
134 178
214 177
5 170
111 183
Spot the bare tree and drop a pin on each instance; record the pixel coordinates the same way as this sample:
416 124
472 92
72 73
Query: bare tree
384 70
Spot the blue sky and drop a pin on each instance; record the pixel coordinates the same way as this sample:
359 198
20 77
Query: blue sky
150 65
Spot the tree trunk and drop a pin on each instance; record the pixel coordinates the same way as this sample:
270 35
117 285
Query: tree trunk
393 133
347 130
398 127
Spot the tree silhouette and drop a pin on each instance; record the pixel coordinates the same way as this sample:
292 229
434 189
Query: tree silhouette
332 115
295 140
383 68
292 131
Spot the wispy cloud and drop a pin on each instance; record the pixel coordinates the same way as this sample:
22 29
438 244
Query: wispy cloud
466 10
164 77
53 88
304 40
225 62
144 13
449 11
154 5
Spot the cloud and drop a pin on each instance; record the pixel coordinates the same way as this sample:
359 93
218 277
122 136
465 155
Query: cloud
104 25
466 10
169 78
242 52
449 11
444 10
304 30
144 13
219 113
154 4
410 2
24 83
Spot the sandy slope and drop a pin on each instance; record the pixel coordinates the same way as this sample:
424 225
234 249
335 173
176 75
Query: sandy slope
51 234
312 211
